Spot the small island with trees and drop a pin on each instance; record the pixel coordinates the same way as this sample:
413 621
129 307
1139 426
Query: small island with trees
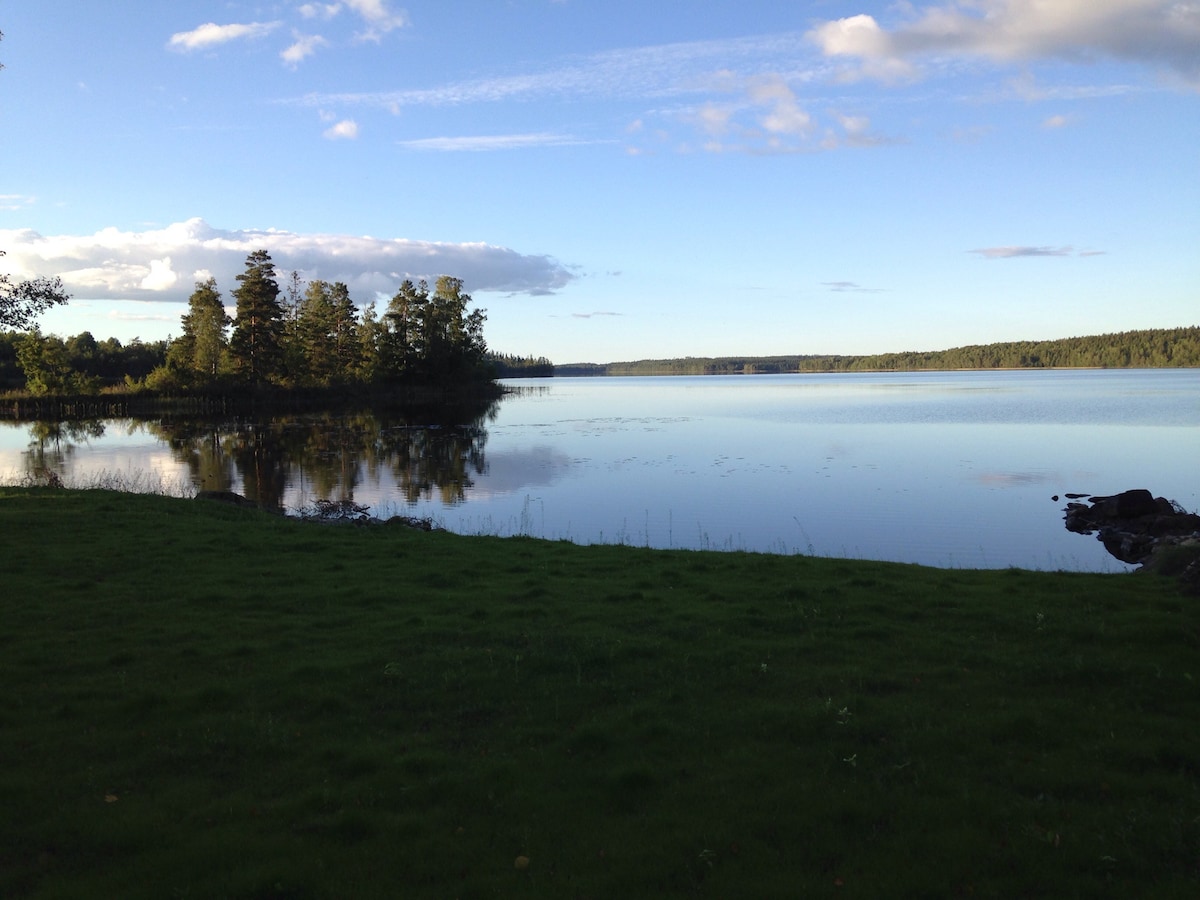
302 342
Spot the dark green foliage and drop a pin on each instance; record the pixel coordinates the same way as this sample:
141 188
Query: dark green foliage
1153 348
21 302
92 363
507 365
432 337
47 367
203 700
202 350
257 343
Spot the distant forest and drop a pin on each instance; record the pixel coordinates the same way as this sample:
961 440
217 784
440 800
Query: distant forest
85 365
1151 349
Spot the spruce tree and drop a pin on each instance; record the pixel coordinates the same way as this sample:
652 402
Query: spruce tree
256 346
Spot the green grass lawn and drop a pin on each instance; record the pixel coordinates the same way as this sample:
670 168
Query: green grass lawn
205 701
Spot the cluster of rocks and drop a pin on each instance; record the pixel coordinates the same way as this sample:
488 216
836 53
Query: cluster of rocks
1136 527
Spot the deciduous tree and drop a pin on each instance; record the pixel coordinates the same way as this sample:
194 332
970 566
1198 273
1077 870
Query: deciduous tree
21 302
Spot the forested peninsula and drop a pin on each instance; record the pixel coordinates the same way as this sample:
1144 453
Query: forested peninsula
305 342
1147 349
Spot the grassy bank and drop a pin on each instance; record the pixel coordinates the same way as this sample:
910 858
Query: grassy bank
206 701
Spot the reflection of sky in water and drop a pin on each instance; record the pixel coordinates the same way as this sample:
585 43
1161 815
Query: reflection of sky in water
949 469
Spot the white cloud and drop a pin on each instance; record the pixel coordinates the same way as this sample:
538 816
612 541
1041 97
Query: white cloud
305 46
161 276
320 10
860 36
843 287
714 118
379 17
1164 34
13 202
212 34
345 130
1014 252
784 115
164 264
655 72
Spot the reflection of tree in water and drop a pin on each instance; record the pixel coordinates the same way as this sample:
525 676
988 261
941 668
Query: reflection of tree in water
424 459
220 453
52 444
329 455
198 446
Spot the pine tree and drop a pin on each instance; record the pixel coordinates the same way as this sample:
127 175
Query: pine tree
256 346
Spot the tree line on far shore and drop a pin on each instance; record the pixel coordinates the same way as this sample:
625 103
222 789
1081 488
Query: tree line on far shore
1150 348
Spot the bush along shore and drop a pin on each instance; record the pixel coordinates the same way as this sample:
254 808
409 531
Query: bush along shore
265 399
204 700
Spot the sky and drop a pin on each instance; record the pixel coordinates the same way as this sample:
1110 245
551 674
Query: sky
618 180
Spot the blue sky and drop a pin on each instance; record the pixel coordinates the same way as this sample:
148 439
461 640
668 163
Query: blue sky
619 180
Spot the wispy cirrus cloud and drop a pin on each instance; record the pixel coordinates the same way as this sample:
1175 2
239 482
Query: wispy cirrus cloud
653 72
164 264
13 202
487 142
1014 252
843 287
211 35
739 95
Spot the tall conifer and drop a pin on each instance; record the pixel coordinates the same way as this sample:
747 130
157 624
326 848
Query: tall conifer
257 330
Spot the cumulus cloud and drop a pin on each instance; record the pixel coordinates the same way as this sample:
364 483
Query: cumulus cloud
164 264
1156 33
783 115
161 276
305 45
763 114
1164 34
378 16
860 36
345 130
212 34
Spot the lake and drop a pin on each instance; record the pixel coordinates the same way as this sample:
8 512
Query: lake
950 469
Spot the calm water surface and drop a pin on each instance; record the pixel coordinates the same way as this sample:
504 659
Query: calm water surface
946 469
